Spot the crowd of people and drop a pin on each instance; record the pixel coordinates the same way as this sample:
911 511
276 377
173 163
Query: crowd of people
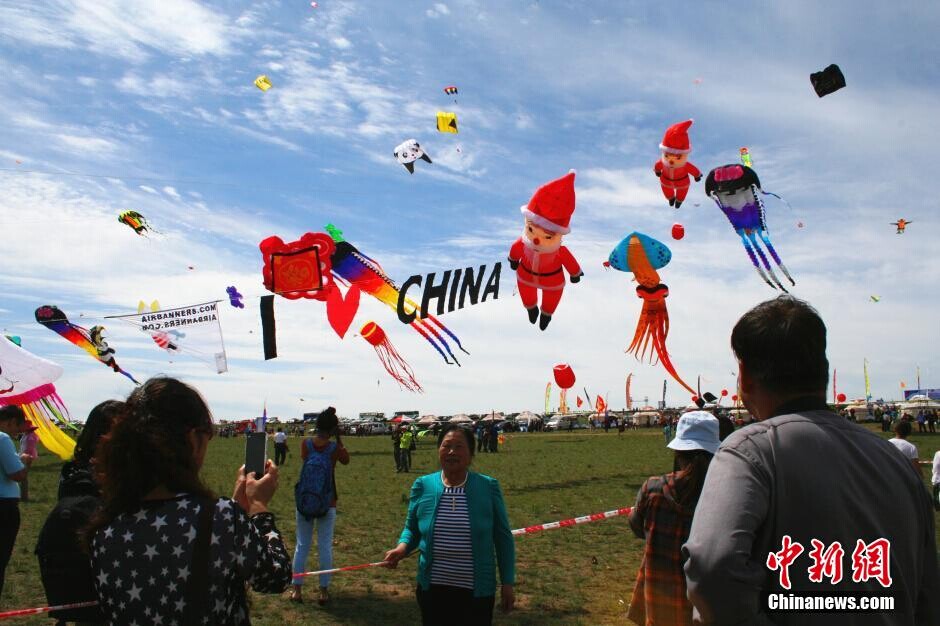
721 530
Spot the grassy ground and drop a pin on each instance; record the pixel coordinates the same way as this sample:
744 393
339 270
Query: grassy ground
579 575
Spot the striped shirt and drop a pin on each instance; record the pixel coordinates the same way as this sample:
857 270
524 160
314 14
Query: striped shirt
452 558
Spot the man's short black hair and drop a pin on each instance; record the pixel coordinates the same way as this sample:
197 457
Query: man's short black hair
782 345
12 412
903 429
467 433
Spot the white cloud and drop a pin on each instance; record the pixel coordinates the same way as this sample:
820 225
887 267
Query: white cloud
87 144
438 10
148 189
170 191
341 43
122 28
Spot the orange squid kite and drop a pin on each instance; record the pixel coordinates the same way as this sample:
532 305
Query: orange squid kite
643 255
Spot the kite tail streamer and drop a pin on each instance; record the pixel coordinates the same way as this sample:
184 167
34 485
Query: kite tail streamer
420 322
449 333
629 399
763 258
753 257
393 362
431 341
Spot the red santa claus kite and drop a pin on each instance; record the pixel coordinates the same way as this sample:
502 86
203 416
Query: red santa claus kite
674 167
538 257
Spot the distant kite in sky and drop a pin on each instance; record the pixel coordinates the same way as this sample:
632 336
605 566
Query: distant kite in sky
359 271
447 122
451 90
828 80
263 82
745 157
90 340
235 298
409 151
391 360
135 220
901 224
735 189
876 298
643 255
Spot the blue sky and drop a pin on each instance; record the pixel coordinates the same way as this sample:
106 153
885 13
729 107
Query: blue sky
151 106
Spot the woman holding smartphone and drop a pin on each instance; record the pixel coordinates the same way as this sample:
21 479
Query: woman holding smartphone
319 450
161 523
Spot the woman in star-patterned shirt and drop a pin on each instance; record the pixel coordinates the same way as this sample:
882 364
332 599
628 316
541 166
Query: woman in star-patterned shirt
143 545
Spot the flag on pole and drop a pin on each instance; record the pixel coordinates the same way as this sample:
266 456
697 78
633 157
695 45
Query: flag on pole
867 383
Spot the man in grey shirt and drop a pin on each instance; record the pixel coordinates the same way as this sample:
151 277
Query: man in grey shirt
803 503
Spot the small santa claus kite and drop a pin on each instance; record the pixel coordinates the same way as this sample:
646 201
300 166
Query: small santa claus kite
674 168
538 257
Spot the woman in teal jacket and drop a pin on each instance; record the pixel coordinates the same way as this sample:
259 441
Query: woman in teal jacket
458 521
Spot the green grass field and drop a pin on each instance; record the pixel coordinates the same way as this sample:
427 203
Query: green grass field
545 477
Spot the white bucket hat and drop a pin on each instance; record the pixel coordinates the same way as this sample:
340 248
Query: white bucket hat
697 430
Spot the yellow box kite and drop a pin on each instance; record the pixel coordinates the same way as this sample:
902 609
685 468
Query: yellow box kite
263 83
446 122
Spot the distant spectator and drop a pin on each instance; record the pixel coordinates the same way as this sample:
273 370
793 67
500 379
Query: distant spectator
159 518
406 443
902 431
280 447
320 445
28 441
13 469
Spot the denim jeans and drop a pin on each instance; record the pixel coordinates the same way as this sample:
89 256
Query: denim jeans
324 544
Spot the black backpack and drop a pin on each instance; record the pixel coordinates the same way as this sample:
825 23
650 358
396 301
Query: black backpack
64 566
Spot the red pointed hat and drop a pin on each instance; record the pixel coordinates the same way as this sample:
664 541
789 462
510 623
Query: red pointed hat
676 139
552 205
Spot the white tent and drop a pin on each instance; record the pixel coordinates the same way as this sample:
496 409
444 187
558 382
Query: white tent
461 418
919 403
527 416
645 418
427 420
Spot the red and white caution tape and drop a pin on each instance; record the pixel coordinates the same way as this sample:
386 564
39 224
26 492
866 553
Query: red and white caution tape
528 530
46 609
574 521
350 568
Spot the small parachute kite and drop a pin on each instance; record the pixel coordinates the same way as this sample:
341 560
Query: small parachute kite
643 255
901 224
409 151
451 90
136 221
446 122
393 362
235 298
91 340
263 82
735 189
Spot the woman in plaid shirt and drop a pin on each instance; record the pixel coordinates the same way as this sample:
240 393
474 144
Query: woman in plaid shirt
663 516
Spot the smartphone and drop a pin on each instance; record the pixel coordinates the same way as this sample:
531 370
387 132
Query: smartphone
256 453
